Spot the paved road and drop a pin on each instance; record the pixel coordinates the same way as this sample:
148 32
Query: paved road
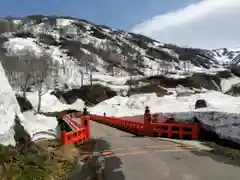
143 158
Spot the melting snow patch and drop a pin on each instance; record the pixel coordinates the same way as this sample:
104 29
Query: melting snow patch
18 45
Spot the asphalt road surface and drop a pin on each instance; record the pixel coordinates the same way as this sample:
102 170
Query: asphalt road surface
142 158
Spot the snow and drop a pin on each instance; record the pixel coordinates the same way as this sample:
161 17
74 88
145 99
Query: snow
51 103
221 115
64 22
40 127
8 105
19 45
227 84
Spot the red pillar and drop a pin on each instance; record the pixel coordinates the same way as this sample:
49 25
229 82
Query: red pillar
147 123
85 121
195 130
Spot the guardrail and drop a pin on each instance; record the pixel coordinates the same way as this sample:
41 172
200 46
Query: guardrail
126 125
148 128
74 136
80 127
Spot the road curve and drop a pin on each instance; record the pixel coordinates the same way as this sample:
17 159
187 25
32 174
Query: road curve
142 158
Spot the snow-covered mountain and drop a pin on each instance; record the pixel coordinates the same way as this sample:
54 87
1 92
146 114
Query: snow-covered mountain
227 56
79 45
69 38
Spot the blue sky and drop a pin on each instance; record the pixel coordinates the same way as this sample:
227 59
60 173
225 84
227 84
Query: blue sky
121 14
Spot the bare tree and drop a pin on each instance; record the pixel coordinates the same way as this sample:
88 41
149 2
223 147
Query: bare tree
55 70
186 66
28 70
4 26
165 67
114 59
18 70
42 75
7 25
83 62
131 66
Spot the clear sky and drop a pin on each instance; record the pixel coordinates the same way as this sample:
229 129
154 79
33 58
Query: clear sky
121 14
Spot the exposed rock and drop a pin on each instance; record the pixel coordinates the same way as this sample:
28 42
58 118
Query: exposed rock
24 104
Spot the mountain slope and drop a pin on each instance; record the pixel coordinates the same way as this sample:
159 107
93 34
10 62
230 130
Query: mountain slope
80 46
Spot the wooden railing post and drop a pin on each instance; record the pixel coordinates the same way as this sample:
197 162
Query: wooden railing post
195 130
85 121
147 122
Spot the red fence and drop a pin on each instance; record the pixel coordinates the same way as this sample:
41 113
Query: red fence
148 128
74 136
80 129
126 125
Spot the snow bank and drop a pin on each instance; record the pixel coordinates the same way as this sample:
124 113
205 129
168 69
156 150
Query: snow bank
40 127
51 103
8 106
222 114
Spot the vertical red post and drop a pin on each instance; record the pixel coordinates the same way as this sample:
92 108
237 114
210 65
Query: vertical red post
169 131
181 133
195 130
85 121
63 137
147 122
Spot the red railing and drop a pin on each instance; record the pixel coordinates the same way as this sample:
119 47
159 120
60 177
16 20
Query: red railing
74 136
80 129
126 125
178 129
148 128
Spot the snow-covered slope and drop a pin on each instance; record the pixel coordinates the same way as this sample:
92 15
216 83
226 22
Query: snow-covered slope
81 47
227 56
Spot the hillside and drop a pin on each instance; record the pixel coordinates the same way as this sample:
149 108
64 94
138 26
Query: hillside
83 49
